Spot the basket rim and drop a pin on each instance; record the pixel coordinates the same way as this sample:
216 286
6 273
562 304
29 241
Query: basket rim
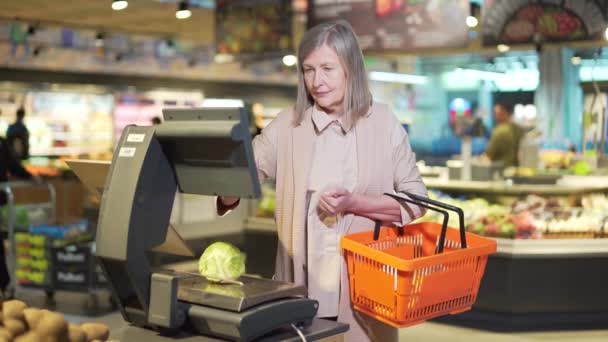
483 246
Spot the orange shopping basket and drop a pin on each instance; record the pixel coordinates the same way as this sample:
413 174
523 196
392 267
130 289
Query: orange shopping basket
404 276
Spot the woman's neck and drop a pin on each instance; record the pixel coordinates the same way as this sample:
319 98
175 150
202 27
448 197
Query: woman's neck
332 112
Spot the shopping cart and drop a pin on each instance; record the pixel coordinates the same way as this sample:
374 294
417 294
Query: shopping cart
407 275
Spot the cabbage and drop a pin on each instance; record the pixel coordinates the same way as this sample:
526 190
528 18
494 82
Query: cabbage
221 261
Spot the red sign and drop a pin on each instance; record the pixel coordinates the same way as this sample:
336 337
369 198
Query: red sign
536 22
398 25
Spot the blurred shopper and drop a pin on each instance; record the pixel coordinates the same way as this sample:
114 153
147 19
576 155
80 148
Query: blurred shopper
504 141
332 157
19 137
9 164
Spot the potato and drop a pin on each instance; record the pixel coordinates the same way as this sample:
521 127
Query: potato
52 324
5 334
13 309
96 331
15 327
76 334
29 337
32 317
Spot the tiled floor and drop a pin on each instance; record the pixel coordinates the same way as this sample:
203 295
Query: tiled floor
75 305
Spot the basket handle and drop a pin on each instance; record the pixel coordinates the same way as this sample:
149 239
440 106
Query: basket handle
421 201
378 226
444 225
457 210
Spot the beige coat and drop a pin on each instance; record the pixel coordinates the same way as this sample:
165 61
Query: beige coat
284 152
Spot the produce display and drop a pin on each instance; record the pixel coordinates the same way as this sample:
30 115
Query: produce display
251 28
222 261
21 323
553 22
532 217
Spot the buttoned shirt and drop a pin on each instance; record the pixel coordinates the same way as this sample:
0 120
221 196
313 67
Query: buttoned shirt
334 164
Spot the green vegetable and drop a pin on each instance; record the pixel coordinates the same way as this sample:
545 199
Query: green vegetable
221 261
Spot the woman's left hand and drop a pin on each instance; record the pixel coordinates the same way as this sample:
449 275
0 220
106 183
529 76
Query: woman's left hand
335 201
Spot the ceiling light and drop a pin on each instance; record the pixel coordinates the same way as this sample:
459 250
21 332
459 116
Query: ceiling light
396 77
502 48
119 5
99 37
290 60
472 21
183 11
223 103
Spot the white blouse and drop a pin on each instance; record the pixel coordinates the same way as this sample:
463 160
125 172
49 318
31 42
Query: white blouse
334 164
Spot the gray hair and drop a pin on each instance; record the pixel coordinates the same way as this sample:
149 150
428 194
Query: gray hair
339 36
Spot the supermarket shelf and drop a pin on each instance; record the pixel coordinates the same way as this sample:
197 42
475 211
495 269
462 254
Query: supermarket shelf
507 188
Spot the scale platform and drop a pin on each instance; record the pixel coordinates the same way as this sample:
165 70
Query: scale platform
242 311
235 297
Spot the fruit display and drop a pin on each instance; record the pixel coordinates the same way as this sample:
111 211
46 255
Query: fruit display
553 22
21 323
532 217
252 29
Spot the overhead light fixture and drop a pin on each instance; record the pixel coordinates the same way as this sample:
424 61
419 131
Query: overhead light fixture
183 10
576 59
290 60
119 5
502 48
394 77
223 103
99 38
472 21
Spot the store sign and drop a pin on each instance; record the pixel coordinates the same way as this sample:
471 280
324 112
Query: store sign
526 21
399 25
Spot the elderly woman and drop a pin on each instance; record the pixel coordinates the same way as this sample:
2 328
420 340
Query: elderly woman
332 157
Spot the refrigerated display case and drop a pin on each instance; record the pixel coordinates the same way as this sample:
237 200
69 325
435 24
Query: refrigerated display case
548 275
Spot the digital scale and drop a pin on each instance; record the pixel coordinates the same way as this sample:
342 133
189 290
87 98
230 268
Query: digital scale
203 151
